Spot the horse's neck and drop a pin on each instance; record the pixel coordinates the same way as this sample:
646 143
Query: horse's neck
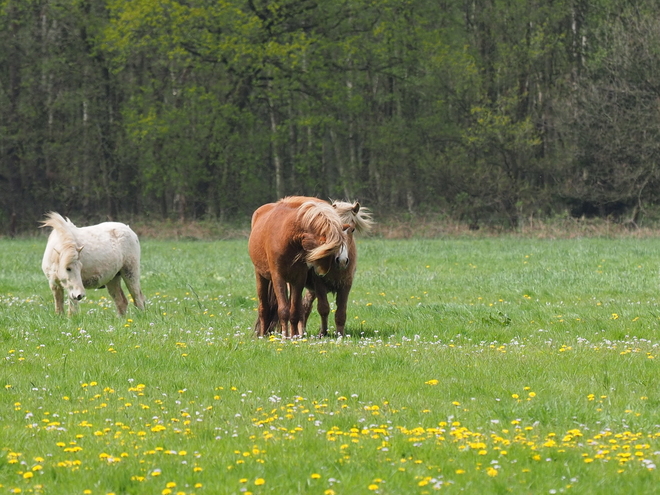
68 235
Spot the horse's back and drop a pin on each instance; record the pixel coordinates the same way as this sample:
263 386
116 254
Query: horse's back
109 247
270 235
118 234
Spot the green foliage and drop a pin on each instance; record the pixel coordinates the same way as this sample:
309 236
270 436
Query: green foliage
208 109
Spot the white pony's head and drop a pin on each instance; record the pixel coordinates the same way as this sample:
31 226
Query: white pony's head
70 272
65 253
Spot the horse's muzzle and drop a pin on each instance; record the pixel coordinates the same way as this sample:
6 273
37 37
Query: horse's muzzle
342 262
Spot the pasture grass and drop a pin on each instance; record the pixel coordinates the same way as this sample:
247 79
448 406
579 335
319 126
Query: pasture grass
494 365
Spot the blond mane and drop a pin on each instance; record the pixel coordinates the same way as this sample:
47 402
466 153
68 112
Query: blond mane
68 249
321 218
361 221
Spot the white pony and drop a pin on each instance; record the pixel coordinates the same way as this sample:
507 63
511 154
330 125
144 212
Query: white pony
91 258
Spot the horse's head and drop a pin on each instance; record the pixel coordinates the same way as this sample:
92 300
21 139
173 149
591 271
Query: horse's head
69 272
355 214
326 238
337 258
342 259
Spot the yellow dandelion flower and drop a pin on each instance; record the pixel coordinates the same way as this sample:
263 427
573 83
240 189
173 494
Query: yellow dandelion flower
315 476
259 481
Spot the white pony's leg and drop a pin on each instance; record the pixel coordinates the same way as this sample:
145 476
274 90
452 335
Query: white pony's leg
114 288
132 281
58 295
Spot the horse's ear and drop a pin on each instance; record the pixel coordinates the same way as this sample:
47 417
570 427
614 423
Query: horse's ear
345 227
80 248
309 242
356 207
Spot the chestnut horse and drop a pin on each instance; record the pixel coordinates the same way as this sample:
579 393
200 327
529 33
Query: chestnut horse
338 279
287 239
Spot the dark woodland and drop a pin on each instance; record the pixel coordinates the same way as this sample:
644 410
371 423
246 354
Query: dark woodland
479 111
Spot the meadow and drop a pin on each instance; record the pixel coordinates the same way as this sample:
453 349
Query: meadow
493 365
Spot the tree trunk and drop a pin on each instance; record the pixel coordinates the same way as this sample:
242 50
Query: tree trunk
277 162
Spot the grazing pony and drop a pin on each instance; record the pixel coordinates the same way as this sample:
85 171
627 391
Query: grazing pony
289 238
339 279
91 258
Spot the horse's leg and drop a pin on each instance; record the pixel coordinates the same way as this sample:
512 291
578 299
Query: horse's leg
263 308
323 307
272 308
283 310
132 279
296 315
58 296
114 288
308 303
342 302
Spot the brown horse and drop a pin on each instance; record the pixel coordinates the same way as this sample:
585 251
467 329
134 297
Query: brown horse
338 279
289 238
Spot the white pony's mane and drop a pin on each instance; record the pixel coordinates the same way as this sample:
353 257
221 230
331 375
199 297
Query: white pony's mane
65 227
361 220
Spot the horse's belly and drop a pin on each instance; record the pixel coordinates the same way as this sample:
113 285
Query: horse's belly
95 278
95 281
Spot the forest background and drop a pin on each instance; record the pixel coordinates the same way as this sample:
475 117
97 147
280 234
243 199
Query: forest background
485 112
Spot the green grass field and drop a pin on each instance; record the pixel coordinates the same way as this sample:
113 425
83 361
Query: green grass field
494 365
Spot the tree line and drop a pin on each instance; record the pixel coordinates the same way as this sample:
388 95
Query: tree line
476 110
